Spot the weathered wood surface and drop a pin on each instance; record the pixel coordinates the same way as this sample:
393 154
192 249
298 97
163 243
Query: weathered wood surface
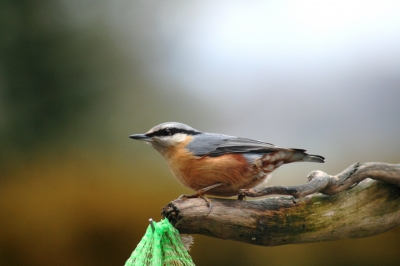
353 206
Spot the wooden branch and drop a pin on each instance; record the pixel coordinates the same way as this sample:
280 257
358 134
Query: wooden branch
353 206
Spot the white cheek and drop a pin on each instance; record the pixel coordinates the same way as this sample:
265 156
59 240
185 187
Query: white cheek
178 138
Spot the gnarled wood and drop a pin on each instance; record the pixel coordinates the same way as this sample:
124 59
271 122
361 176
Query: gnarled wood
364 207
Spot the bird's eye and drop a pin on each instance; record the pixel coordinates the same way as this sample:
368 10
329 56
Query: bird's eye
167 132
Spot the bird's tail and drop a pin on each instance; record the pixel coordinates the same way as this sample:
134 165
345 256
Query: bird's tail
301 156
314 158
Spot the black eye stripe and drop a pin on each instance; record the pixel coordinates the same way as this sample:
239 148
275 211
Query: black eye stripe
166 132
171 131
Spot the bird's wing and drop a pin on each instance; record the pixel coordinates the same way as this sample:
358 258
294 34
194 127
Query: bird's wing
217 145
243 145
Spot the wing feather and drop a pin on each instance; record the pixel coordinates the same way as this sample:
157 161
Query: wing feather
216 145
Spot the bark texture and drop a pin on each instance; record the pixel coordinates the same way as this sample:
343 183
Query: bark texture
363 200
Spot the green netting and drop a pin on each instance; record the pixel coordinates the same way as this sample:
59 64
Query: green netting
161 246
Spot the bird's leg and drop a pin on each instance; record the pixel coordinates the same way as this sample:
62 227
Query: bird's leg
200 194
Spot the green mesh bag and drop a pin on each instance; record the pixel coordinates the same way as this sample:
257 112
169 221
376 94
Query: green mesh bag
160 246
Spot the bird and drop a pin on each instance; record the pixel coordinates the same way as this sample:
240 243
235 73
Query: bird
218 164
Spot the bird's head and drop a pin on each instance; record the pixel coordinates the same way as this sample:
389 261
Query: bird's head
166 135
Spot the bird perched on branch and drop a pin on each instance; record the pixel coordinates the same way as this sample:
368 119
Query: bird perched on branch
216 164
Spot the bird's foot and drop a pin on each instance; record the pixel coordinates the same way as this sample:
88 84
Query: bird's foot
200 194
243 193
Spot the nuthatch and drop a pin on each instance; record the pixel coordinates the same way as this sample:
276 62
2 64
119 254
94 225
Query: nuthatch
217 164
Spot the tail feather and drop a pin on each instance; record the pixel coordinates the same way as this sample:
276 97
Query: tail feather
301 155
314 158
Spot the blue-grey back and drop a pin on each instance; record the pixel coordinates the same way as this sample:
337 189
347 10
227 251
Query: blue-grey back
205 143
218 144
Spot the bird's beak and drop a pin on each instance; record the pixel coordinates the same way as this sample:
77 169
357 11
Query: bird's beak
142 137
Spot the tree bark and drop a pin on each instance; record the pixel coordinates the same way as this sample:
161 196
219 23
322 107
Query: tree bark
363 200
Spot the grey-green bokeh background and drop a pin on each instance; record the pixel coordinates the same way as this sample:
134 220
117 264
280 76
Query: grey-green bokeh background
78 77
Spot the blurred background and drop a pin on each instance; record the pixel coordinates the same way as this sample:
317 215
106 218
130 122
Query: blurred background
78 77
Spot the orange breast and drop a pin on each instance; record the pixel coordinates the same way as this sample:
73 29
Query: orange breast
232 170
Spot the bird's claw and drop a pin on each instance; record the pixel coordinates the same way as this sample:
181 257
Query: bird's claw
198 195
242 194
